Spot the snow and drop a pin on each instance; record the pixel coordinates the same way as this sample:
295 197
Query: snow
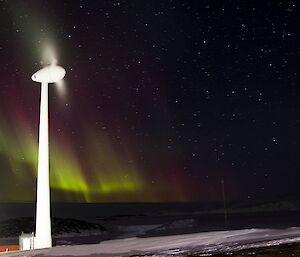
179 244
136 230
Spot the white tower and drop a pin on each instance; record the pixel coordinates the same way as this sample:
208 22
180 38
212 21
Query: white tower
43 239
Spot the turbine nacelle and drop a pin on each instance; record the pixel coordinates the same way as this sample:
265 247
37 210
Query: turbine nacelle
49 74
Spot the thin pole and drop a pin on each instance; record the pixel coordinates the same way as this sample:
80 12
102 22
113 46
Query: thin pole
43 237
224 205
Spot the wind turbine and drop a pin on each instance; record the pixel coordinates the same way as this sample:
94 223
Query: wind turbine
43 239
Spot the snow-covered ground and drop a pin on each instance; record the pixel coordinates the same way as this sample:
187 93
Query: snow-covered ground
151 229
177 245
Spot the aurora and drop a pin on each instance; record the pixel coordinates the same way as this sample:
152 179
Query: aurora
108 178
161 102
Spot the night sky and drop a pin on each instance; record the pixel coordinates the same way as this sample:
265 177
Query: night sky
162 100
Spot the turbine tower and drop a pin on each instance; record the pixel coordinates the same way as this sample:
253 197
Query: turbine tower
43 238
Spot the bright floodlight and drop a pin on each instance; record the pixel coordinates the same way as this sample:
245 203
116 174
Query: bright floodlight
49 74
43 238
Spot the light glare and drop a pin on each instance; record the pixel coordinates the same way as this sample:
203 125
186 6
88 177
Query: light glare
61 88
